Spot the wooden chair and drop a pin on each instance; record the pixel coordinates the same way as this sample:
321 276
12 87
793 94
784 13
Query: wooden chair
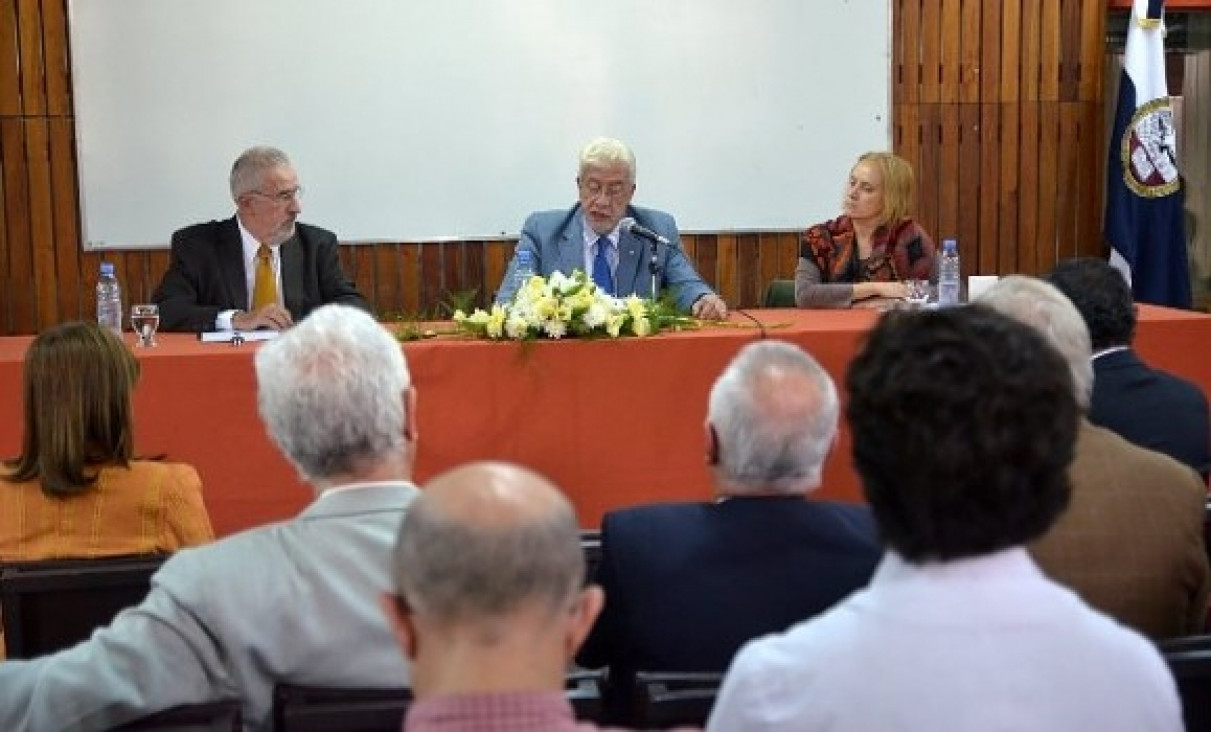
221 716
671 699
779 294
47 606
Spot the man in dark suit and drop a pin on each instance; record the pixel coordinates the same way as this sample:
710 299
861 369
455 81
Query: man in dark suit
258 269
687 584
1148 407
590 237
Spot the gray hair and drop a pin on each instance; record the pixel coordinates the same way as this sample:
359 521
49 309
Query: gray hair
769 437
462 572
1043 307
248 169
330 392
607 151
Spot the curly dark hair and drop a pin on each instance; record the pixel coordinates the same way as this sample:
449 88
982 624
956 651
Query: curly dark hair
964 422
1101 295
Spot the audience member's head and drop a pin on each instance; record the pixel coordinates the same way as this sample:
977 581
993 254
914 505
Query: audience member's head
78 380
1101 296
1044 308
335 396
771 422
489 576
964 423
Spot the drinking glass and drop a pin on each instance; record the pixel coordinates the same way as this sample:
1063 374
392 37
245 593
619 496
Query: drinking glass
145 319
916 292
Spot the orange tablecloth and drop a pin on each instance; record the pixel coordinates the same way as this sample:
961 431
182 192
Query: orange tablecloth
615 423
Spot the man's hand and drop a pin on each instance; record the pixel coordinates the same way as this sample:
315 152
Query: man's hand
272 316
709 307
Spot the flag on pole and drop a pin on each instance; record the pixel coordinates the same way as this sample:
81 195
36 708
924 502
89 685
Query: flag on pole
1145 220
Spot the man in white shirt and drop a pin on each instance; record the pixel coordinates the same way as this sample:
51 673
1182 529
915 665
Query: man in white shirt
964 422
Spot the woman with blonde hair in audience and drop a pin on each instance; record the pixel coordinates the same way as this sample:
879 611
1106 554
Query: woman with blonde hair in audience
76 490
862 257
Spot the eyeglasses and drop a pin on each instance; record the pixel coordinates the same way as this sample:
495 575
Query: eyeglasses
285 196
594 188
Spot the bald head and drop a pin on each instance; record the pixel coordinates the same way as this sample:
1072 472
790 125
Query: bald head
485 540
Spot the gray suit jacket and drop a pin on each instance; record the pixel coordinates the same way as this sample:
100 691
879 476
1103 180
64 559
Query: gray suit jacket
557 240
294 602
205 275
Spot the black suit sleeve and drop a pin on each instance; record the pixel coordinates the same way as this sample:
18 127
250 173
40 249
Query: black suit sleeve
334 285
189 297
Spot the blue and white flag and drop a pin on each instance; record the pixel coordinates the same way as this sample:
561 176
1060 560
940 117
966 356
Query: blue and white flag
1145 220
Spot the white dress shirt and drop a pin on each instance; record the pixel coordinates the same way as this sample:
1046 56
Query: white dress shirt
978 644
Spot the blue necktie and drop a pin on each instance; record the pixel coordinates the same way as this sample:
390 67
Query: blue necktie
601 267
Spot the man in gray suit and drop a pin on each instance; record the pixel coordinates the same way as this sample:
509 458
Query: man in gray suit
592 238
289 602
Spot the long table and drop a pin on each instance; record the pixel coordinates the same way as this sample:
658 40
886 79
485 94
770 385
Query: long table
615 423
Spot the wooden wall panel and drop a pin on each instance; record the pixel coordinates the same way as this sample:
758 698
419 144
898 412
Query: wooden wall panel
1009 161
997 103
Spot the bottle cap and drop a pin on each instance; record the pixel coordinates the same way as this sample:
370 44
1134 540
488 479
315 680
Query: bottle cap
949 245
525 256
107 268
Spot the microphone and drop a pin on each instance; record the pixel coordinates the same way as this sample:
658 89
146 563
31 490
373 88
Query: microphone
643 232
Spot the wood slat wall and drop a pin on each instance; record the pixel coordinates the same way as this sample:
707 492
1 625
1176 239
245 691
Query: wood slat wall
998 104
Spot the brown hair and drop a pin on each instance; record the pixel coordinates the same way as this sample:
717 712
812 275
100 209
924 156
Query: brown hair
898 185
77 386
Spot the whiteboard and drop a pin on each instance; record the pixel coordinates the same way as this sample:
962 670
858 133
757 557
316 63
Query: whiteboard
453 119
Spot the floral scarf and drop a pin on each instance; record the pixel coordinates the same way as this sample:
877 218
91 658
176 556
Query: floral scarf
899 252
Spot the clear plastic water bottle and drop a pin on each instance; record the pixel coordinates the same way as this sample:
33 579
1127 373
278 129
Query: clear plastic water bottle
524 268
109 300
949 274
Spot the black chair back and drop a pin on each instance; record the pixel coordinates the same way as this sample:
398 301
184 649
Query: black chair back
47 606
590 544
322 709
1191 667
672 699
221 716
319 709
584 690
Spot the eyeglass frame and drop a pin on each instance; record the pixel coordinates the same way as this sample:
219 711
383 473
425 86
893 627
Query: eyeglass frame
594 188
282 197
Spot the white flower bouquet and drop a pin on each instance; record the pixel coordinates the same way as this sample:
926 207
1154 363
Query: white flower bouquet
560 306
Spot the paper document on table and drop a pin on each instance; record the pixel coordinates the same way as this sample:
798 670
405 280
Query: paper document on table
237 336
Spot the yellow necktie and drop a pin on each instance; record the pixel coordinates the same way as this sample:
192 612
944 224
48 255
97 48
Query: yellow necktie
265 289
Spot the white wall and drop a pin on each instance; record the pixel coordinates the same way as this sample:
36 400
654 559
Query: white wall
414 120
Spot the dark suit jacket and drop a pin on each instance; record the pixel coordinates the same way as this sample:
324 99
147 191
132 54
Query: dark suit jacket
206 275
1151 408
687 584
1131 541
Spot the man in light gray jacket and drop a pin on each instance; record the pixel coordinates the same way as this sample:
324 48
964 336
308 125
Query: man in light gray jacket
289 602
